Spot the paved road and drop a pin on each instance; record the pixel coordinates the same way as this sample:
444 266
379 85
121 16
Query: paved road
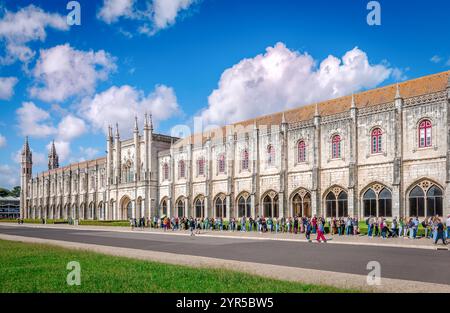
400 263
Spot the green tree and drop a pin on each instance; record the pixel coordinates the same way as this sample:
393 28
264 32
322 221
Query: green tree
15 192
4 192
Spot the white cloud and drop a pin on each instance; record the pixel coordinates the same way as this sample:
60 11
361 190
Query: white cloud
34 121
112 10
121 104
280 79
88 153
2 141
7 87
62 72
436 59
9 176
153 16
448 62
26 25
70 127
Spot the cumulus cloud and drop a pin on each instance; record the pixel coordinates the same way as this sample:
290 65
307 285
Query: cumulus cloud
7 87
281 78
88 153
70 127
152 16
28 24
62 72
34 121
2 141
121 104
9 176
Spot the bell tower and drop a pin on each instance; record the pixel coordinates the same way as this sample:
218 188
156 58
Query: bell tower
26 165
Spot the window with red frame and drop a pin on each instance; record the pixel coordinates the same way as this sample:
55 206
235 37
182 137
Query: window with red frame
181 169
336 147
270 155
221 163
377 136
165 171
201 166
425 128
301 151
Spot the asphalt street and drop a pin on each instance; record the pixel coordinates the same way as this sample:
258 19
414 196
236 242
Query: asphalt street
399 263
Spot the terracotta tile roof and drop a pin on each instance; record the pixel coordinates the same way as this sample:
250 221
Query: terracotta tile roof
411 88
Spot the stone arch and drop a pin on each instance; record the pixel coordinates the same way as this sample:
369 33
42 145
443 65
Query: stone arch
139 204
243 204
376 200
164 206
199 206
301 202
335 199
220 205
126 208
270 204
430 204
180 206
101 211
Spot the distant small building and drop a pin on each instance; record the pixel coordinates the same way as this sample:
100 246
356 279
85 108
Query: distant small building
9 207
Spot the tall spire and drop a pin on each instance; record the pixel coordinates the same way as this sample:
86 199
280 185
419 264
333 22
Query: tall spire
283 119
53 159
353 106
136 129
151 122
145 120
117 130
110 131
316 112
397 92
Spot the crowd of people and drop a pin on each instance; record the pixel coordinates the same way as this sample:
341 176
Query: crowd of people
432 227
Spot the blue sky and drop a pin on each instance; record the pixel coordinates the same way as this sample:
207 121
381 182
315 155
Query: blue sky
222 60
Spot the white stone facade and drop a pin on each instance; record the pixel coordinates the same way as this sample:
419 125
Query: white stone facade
207 175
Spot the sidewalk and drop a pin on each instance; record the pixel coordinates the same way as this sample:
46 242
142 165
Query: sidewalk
347 240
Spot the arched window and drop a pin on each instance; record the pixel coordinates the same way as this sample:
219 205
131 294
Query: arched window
302 204
199 208
370 203
336 147
221 163
377 136
181 169
163 207
270 206
245 159
385 203
301 152
270 155
201 166
244 208
165 171
434 201
180 208
221 207
336 206
417 202
425 128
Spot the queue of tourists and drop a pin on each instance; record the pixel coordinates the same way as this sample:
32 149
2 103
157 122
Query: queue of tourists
432 227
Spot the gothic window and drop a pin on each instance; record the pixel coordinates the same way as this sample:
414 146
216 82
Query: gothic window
245 159
181 169
377 204
270 205
199 208
377 137
221 163
270 155
301 151
164 207
244 208
221 207
425 199
165 171
201 166
336 147
180 208
425 128
337 206
301 203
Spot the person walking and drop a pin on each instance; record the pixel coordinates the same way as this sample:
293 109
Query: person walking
447 223
320 232
440 233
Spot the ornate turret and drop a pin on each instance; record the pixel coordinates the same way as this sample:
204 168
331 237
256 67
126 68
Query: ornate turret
25 176
53 159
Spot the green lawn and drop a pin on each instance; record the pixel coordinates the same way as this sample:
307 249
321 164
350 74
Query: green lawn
42 268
